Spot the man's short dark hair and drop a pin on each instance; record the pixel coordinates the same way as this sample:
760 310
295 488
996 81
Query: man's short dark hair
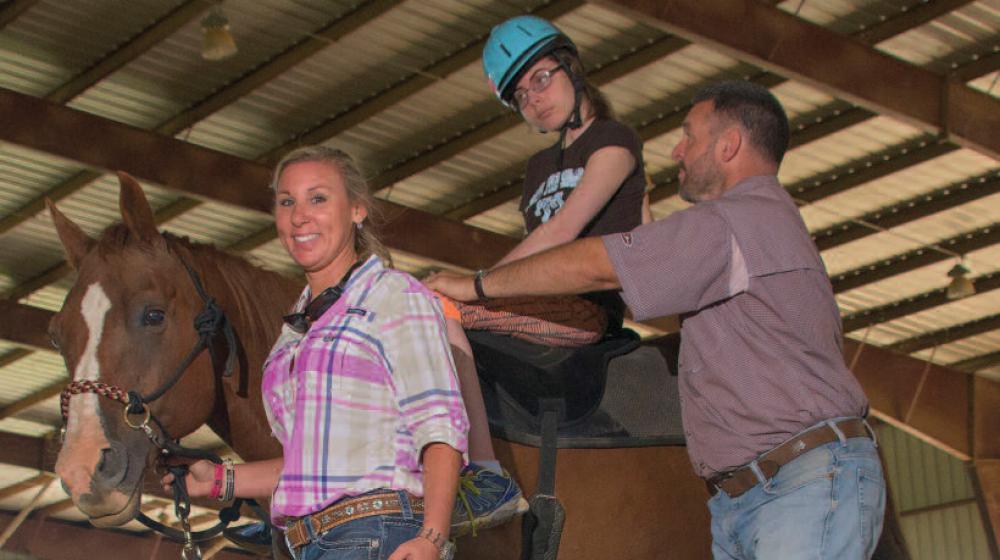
756 109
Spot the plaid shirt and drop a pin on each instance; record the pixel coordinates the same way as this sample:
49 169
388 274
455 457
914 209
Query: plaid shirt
356 398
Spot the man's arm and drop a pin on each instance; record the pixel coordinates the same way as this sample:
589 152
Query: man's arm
578 267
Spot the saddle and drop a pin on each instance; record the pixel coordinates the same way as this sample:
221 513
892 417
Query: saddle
527 373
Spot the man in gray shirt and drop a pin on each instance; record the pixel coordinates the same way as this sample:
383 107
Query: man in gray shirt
772 416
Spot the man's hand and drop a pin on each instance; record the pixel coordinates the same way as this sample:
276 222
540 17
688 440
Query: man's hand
458 287
417 548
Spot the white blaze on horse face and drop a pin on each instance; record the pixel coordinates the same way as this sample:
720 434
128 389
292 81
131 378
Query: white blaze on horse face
84 435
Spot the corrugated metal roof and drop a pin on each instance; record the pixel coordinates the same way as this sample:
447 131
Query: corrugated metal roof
55 41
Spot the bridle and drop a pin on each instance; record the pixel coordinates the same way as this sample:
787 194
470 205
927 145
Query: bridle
209 323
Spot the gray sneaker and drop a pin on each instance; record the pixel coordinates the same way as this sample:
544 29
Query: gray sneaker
485 499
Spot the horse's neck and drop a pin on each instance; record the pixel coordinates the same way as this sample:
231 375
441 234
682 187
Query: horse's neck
254 300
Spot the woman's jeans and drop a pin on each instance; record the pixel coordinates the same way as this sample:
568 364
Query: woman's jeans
828 503
369 538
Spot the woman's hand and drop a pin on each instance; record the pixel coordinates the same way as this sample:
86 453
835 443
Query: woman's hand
199 480
417 548
456 286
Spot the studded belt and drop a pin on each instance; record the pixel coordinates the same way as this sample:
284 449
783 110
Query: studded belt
347 509
737 481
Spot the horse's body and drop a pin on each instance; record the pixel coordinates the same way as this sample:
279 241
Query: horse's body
127 322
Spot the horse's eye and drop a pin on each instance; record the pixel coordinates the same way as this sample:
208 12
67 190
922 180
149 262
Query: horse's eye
153 317
54 341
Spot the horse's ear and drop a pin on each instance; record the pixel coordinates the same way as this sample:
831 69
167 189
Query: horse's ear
136 213
75 242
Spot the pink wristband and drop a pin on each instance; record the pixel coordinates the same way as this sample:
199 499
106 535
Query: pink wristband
220 471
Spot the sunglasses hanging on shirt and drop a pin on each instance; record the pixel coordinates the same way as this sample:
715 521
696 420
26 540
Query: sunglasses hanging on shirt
300 322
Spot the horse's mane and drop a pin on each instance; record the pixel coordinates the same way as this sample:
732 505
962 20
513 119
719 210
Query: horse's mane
261 295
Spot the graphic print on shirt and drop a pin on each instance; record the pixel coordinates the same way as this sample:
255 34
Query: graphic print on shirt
551 194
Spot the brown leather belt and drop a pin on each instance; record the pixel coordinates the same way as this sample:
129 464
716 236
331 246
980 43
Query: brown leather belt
347 509
737 481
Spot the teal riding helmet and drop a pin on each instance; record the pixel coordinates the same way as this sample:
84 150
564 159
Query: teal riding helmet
514 46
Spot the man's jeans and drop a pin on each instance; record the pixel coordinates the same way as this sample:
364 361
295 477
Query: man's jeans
369 538
828 503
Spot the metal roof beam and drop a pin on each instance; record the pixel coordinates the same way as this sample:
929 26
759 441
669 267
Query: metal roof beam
130 50
912 260
842 117
405 88
909 18
279 64
915 304
508 120
908 210
214 102
784 43
13 10
946 335
977 363
210 175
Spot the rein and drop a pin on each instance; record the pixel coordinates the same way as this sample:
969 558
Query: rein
209 323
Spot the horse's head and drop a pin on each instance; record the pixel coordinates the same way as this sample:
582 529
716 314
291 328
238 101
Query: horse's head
126 323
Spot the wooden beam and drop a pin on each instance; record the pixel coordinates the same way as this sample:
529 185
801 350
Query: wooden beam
206 174
505 121
817 124
28 452
25 325
946 335
405 88
912 260
12 490
39 396
842 66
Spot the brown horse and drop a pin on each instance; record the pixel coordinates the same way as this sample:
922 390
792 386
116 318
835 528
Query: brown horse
127 323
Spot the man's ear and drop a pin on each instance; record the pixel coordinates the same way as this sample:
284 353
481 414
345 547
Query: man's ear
730 143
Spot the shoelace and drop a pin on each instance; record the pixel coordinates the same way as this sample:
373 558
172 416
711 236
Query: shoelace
465 484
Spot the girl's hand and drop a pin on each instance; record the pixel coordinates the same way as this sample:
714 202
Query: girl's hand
456 286
200 479
417 548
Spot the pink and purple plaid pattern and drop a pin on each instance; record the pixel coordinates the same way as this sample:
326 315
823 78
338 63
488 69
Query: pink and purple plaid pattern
355 399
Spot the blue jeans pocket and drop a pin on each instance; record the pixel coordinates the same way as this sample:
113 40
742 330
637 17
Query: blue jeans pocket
814 467
357 540
871 503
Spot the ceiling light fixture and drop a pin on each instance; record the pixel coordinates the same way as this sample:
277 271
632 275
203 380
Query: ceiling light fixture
960 285
218 42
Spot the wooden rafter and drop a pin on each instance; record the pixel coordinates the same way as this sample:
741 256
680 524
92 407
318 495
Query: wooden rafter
832 119
405 88
844 67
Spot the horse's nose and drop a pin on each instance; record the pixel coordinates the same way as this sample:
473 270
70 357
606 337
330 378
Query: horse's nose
111 466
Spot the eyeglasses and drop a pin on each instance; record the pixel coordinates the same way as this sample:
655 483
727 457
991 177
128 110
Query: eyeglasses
538 83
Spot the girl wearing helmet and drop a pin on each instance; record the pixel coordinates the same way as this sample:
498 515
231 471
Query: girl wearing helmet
591 182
